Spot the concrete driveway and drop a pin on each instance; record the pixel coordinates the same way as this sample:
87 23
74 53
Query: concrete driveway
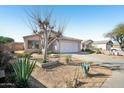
114 63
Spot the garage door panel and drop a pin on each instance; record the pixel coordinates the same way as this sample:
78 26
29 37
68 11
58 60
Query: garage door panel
68 46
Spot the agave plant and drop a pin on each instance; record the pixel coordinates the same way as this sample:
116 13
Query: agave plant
86 68
23 69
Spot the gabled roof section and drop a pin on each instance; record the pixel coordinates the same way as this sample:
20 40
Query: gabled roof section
69 38
28 36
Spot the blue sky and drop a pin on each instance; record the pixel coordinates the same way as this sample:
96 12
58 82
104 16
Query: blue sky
83 22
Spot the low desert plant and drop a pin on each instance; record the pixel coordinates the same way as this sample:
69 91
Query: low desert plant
68 58
86 68
98 51
23 69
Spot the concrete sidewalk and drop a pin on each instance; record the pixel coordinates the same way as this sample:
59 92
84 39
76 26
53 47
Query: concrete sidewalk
115 81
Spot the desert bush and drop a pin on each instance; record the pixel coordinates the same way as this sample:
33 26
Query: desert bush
98 51
23 69
68 58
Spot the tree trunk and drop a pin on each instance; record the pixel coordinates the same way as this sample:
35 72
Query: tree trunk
44 50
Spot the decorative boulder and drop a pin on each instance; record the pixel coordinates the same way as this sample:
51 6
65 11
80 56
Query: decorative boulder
50 64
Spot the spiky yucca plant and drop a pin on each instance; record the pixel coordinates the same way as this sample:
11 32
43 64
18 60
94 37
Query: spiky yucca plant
23 69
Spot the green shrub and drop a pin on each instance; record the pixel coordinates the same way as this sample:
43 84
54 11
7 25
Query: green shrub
87 50
23 69
82 50
4 40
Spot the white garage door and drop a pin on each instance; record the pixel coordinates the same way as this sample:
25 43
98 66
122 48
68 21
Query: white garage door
69 46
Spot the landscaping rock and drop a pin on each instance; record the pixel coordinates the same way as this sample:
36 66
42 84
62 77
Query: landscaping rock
50 64
7 85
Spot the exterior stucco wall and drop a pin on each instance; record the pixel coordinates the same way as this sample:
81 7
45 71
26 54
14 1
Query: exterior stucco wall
102 46
106 47
26 43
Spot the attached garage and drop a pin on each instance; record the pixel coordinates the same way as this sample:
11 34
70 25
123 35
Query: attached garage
67 45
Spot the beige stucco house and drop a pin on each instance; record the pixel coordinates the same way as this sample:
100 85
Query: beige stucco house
104 45
61 45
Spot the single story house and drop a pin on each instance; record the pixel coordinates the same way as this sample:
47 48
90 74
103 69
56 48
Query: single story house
61 45
104 45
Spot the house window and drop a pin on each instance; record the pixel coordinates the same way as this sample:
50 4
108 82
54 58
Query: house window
33 44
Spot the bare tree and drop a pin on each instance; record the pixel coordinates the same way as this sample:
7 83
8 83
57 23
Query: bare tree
46 28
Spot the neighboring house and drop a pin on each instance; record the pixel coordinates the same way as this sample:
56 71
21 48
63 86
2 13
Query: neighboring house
104 45
61 45
86 44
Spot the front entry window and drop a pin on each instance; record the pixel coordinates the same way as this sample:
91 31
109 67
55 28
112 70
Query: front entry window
33 44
